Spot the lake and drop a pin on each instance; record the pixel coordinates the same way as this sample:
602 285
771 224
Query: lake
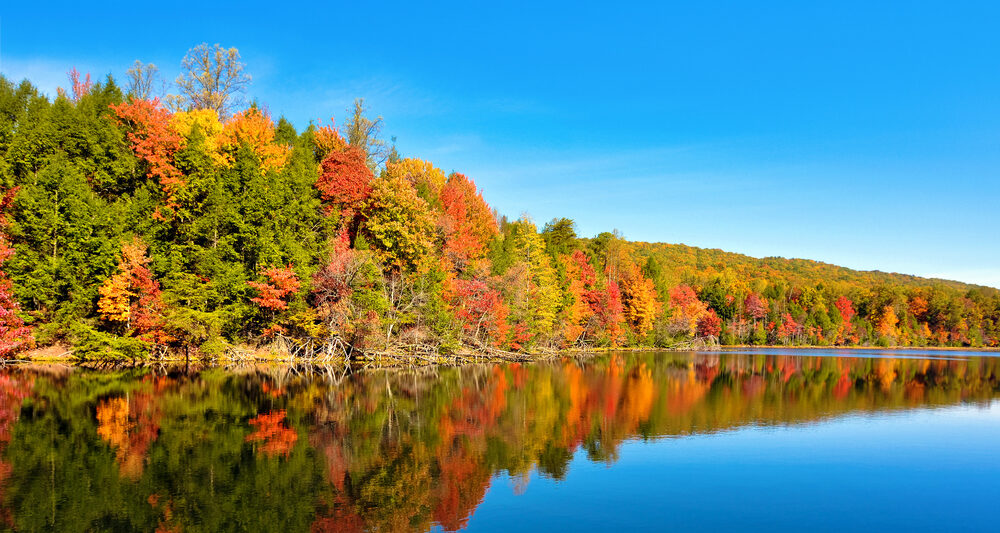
816 440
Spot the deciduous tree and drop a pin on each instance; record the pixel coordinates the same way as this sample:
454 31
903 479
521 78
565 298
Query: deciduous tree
212 78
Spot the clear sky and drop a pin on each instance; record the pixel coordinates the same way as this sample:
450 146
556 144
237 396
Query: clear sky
865 134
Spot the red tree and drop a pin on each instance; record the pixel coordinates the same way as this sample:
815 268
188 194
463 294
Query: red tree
481 310
789 328
14 335
607 307
846 308
273 294
345 181
756 307
709 324
332 285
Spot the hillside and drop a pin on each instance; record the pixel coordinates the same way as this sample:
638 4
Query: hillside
702 263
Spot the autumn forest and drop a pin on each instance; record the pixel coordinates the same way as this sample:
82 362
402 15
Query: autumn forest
139 223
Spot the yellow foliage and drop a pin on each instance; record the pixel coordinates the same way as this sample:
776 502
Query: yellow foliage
327 139
255 129
399 224
116 297
207 121
639 300
887 324
419 172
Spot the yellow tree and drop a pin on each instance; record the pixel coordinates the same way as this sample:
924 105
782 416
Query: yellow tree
540 293
207 122
887 323
427 179
398 224
638 299
254 129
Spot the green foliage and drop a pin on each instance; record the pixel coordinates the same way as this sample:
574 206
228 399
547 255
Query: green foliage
91 344
229 200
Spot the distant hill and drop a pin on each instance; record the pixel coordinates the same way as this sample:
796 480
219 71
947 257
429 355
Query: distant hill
690 263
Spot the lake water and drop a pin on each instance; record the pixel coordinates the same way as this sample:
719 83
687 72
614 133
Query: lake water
758 440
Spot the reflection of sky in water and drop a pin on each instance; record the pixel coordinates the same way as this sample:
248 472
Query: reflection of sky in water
944 355
773 440
920 470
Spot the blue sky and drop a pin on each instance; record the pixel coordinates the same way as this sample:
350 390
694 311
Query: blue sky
865 134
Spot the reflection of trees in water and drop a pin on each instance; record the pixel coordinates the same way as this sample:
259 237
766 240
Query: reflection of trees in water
307 447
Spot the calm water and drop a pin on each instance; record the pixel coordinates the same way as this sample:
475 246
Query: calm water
759 440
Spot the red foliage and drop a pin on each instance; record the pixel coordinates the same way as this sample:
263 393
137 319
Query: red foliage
846 308
345 179
155 142
789 327
682 296
271 430
756 307
273 294
607 307
520 336
709 324
79 87
332 283
587 274
467 222
14 335
481 310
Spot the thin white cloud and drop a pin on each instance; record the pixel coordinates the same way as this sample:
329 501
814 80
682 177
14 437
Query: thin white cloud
45 74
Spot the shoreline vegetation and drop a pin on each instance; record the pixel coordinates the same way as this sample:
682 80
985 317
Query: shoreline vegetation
62 355
191 225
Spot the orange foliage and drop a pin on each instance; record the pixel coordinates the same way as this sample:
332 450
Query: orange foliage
581 277
273 294
253 128
271 430
467 223
131 296
155 142
327 139
887 323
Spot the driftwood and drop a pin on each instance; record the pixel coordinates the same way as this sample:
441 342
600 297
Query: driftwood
708 342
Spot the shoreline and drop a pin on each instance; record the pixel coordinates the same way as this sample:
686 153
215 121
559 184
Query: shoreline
396 360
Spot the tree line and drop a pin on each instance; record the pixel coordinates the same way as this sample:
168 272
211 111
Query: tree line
137 223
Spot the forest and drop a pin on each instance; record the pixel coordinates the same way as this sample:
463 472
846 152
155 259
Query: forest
136 224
